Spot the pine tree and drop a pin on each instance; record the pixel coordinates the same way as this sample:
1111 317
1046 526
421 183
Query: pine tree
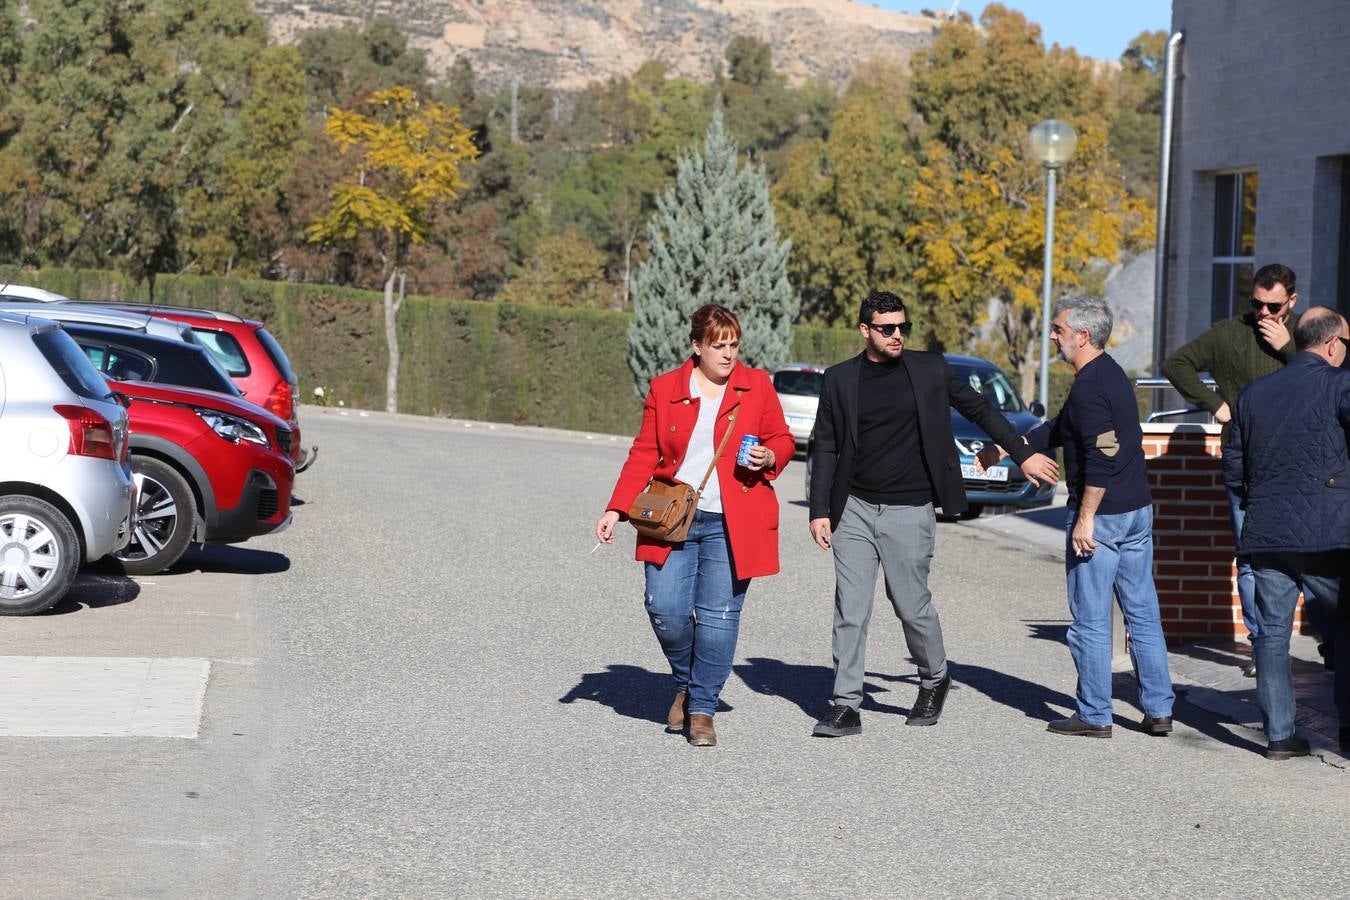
713 239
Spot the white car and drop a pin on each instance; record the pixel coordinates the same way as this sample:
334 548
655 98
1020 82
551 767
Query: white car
67 494
798 387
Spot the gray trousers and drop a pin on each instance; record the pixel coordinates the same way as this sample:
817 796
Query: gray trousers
900 539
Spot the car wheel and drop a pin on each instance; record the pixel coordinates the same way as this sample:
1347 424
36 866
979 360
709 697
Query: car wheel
39 555
165 516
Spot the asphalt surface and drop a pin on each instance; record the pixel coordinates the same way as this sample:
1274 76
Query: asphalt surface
431 686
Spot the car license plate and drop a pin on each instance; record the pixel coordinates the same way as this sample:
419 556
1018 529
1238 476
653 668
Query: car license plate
997 473
801 421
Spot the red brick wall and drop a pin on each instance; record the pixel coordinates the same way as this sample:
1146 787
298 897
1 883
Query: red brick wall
1193 564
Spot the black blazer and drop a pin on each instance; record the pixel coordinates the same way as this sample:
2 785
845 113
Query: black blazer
834 441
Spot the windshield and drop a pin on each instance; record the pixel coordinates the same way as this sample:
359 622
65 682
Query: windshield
992 385
798 383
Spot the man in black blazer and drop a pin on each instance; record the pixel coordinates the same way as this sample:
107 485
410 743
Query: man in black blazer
882 455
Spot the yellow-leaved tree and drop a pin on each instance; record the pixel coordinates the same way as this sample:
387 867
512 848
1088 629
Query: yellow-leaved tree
407 154
978 204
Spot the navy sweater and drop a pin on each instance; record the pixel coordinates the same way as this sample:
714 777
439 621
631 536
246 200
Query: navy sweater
1103 443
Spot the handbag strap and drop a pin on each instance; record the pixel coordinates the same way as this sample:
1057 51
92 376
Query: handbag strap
716 453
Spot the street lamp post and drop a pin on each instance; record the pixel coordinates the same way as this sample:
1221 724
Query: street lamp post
1052 145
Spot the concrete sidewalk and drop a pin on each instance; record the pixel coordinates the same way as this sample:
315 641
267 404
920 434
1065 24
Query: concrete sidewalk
1206 674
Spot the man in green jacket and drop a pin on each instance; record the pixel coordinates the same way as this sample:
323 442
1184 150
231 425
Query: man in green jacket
1236 352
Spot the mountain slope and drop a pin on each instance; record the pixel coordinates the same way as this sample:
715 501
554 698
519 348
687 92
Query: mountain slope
566 44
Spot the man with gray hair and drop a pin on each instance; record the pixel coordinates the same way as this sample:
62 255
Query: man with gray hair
1109 542
1288 458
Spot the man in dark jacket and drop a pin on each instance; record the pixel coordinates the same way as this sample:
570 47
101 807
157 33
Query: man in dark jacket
882 454
1109 543
1288 457
1236 352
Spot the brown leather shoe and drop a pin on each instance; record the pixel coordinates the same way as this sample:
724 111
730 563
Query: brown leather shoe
1159 727
679 711
701 731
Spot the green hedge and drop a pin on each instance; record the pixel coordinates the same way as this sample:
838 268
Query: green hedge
497 362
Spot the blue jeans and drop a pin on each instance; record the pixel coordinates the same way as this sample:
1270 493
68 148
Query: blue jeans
694 601
1320 612
1246 581
1123 561
1278 576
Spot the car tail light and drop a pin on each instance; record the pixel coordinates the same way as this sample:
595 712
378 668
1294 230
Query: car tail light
90 433
281 401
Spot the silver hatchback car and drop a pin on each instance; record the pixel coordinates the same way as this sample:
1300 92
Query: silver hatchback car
66 491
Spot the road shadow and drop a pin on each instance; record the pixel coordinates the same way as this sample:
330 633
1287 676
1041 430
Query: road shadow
95 589
1045 704
230 558
1232 653
1051 517
1055 630
809 687
631 691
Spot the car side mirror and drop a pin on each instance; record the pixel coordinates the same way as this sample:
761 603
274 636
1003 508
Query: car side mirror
1037 409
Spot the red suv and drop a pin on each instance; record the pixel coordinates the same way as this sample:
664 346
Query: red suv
254 360
209 467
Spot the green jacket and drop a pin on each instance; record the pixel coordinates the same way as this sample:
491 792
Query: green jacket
1234 355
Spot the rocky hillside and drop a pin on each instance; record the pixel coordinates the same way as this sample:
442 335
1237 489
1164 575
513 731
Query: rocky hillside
569 43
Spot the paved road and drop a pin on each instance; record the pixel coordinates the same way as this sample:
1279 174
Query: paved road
431 687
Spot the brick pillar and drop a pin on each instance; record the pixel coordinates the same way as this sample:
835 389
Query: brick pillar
1193 563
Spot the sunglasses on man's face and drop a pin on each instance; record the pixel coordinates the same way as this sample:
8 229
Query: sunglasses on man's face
887 330
1271 308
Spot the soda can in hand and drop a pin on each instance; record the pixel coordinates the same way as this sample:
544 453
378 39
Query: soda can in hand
743 455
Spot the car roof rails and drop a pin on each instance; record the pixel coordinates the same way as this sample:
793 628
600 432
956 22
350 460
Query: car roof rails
152 308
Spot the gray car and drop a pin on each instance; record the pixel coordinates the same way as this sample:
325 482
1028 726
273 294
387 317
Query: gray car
67 494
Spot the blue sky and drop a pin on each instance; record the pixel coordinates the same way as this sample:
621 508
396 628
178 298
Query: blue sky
1097 28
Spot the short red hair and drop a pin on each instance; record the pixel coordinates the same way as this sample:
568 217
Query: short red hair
714 323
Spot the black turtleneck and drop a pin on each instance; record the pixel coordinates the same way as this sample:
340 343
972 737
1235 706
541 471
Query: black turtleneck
889 466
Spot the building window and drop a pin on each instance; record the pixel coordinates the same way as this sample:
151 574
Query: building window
1234 243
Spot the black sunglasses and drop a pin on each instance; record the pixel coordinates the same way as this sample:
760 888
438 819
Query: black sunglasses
888 330
1271 308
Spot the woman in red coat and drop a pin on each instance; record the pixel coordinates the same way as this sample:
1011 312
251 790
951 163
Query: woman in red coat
695 588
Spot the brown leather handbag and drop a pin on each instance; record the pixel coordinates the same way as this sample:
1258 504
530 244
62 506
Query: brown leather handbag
665 510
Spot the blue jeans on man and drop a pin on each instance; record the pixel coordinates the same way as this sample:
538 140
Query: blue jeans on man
1320 611
694 601
1246 581
1121 565
1278 579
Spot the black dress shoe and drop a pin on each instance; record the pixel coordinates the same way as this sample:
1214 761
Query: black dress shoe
928 707
842 720
1345 738
1076 727
1287 747
1159 727
1249 670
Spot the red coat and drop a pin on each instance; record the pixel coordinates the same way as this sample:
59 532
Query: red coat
749 406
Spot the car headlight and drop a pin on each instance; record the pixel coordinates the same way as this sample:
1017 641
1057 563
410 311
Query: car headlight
233 428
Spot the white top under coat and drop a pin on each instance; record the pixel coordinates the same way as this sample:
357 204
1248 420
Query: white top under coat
701 446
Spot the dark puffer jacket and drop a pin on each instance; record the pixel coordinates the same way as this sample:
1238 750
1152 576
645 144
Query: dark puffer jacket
1288 455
